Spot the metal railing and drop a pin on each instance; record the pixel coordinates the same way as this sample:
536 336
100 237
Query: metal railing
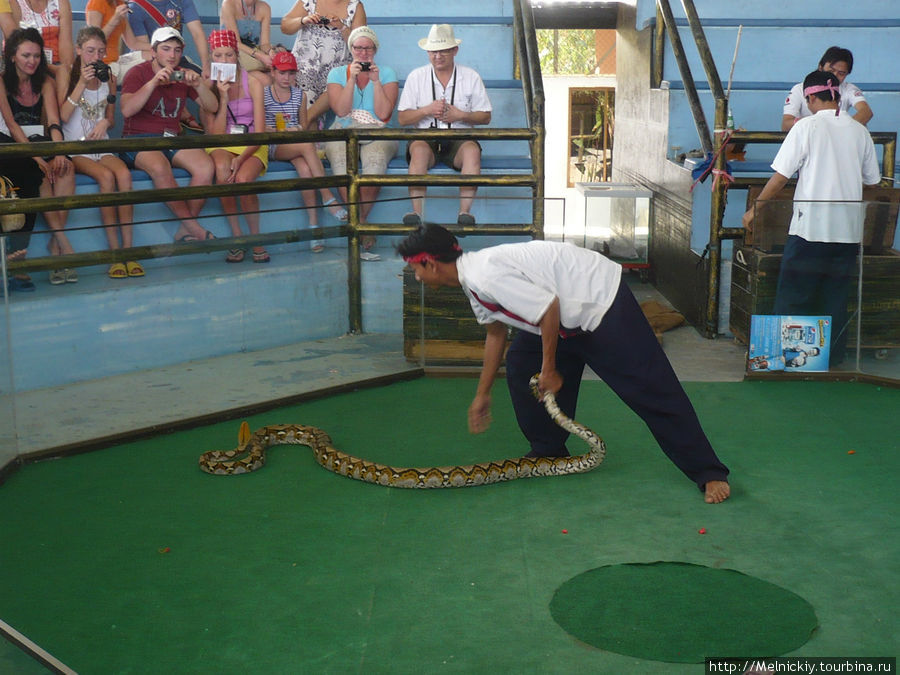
527 54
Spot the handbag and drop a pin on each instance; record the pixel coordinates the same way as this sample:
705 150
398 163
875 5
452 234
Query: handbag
10 222
358 119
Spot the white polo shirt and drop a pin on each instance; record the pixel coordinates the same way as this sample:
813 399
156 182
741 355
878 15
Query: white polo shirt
795 103
516 284
470 94
835 157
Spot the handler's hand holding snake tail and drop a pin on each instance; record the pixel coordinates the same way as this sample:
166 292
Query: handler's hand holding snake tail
572 309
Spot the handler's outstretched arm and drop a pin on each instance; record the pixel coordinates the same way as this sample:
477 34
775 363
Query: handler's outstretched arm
494 346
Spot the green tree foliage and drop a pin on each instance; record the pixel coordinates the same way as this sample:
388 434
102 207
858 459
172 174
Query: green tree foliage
567 52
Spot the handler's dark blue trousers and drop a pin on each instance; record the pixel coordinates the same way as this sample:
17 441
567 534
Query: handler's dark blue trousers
815 279
625 353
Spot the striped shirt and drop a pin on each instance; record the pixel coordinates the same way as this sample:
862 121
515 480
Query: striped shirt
289 109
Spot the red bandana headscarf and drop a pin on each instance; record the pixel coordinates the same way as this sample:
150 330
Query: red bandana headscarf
223 38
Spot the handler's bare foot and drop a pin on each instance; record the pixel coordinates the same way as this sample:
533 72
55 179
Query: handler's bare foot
717 491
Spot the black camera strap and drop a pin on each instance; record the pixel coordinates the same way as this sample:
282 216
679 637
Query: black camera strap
434 91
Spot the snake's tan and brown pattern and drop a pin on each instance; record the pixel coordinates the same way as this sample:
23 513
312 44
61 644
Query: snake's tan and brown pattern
251 455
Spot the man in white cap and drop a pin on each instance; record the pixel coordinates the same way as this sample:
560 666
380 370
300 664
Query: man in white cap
443 95
153 96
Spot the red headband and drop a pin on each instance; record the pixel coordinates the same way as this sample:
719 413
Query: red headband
424 257
223 38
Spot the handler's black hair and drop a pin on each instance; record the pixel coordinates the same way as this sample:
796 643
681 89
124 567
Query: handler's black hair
834 54
820 78
432 239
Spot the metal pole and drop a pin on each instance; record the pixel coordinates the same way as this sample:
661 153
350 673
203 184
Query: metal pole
709 65
354 273
717 213
690 89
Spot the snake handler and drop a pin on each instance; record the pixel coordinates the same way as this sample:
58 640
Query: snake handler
572 309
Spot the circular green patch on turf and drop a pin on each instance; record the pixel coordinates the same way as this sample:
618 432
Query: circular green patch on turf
681 613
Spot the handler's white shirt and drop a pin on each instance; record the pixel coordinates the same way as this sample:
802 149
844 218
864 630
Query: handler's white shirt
795 103
835 157
516 283
471 96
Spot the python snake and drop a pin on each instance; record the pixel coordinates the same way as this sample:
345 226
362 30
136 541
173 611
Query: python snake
250 455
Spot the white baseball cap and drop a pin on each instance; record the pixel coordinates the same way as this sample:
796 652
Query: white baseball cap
164 33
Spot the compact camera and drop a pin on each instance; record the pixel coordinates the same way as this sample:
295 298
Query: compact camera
365 65
323 20
177 76
101 71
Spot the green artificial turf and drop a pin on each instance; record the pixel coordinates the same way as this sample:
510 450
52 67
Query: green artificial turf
131 560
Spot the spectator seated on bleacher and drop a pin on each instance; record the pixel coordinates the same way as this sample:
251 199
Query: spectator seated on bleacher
286 110
26 177
241 111
87 111
322 28
363 94
153 96
443 95
31 96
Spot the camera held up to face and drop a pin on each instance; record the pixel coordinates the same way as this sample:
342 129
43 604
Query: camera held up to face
101 71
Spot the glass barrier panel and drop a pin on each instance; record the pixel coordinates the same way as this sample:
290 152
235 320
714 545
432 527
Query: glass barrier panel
9 446
854 285
448 333
878 293
230 323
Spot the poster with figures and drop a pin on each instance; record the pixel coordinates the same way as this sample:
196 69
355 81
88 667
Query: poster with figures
789 343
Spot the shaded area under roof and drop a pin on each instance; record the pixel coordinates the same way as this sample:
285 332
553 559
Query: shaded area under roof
563 15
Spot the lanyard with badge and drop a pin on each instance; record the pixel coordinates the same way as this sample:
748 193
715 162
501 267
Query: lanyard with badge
434 93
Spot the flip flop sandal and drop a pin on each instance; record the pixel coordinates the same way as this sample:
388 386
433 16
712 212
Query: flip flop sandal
235 255
57 277
262 257
134 269
185 238
71 276
341 213
117 271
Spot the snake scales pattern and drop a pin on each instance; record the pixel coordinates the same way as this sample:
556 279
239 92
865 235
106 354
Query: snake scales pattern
251 455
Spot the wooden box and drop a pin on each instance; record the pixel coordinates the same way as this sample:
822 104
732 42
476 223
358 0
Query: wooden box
754 278
773 218
445 318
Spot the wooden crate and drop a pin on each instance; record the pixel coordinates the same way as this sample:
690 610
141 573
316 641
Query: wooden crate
754 278
452 335
770 227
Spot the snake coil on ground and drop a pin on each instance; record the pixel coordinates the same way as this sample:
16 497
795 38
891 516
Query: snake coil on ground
250 455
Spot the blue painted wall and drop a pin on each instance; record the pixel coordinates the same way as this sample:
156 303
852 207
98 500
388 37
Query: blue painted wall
780 44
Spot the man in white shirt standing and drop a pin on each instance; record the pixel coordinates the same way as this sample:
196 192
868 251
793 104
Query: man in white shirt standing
443 95
838 61
572 309
835 157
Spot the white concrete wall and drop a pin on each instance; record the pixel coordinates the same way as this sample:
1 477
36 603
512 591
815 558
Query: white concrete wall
565 206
